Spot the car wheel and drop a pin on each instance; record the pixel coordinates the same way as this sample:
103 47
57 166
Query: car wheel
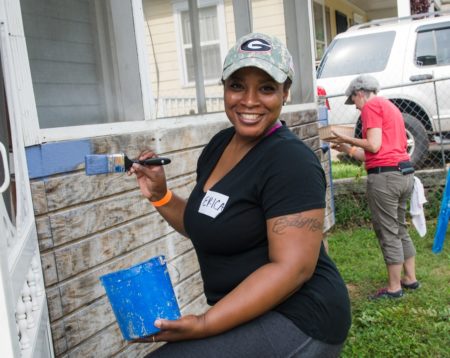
416 135
417 140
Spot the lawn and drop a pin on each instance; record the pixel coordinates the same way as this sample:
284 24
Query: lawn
416 325
347 169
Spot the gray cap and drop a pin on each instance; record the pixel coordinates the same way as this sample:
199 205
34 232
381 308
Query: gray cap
362 82
262 51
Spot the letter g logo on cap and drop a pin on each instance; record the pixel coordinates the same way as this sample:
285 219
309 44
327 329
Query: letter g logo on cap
256 45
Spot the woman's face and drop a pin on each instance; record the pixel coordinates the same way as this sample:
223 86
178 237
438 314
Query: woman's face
253 101
359 99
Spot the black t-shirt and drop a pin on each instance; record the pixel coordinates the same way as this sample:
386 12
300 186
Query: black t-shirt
227 225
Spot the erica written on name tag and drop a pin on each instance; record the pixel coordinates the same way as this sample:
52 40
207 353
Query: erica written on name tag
213 203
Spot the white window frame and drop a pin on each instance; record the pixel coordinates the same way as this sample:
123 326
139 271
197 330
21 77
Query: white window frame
34 135
182 5
325 40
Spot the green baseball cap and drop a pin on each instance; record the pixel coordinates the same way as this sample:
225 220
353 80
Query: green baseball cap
262 51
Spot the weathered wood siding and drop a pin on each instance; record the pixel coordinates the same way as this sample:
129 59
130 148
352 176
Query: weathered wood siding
92 225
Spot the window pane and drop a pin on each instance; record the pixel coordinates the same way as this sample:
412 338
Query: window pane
211 62
328 24
210 52
425 52
78 72
212 66
190 65
208 24
318 22
358 54
320 49
443 48
63 65
186 28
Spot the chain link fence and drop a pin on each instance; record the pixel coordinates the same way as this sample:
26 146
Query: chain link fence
425 105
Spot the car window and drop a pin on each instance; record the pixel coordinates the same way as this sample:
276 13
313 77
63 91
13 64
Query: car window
425 50
433 47
443 46
357 54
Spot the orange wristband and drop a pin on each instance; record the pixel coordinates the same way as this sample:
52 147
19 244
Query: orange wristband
164 200
352 151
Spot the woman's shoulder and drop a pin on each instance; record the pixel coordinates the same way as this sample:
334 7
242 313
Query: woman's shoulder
224 134
219 139
286 154
288 142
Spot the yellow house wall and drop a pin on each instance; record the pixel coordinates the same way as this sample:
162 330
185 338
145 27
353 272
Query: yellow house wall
165 61
166 72
268 17
345 8
161 40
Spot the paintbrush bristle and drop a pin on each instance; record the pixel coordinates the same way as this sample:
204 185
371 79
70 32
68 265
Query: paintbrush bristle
104 163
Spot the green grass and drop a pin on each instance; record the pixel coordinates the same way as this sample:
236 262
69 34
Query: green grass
418 324
343 169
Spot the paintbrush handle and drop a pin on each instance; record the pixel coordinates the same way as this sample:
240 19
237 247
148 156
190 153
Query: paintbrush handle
153 161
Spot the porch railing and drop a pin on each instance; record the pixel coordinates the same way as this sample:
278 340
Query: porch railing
179 106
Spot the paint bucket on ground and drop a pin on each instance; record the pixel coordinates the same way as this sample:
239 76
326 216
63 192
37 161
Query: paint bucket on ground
139 295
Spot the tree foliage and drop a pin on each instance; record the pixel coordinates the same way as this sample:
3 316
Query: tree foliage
419 6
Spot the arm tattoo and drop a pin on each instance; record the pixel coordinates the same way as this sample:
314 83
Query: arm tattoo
297 220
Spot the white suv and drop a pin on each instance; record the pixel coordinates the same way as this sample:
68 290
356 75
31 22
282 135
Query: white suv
406 55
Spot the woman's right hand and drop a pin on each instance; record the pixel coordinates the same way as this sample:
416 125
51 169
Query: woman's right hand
151 179
341 147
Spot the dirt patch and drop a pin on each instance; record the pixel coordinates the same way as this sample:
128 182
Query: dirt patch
353 290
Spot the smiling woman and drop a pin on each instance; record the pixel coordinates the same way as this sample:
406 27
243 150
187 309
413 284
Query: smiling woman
272 289
253 101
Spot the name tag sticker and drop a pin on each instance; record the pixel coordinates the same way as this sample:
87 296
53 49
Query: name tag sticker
213 203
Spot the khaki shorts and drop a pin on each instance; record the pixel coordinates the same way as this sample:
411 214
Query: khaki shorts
388 194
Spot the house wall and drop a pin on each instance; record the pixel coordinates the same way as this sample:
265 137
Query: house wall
268 17
91 225
382 13
161 42
164 59
344 7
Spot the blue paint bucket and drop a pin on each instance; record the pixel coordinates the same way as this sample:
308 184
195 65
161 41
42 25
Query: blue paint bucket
139 295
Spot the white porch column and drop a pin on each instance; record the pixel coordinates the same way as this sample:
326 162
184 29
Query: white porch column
403 8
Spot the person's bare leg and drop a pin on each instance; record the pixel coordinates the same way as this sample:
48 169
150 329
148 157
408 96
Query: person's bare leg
394 276
409 268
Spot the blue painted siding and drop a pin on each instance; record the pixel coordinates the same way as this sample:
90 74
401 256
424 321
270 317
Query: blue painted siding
53 158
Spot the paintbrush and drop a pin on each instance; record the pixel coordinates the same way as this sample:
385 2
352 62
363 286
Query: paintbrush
116 163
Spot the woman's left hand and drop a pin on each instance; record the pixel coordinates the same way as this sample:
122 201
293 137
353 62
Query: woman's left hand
187 327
